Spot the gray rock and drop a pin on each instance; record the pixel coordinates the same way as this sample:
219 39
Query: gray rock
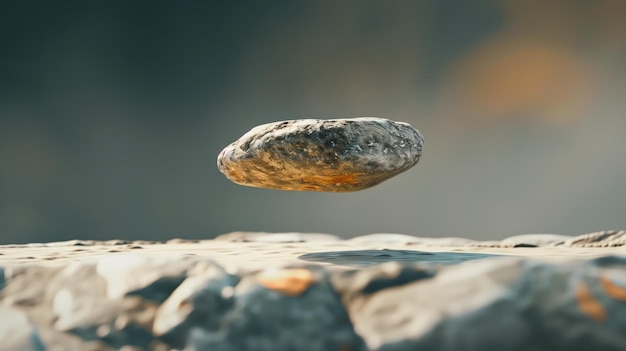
356 283
151 277
407 300
534 240
500 304
55 340
80 304
108 303
322 155
276 237
64 303
27 287
199 302
272 317
77 297
609 238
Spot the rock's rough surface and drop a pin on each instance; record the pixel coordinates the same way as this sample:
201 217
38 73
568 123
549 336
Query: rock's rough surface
201 301
263 319
338 155
496 303
176 296
607 238
504 304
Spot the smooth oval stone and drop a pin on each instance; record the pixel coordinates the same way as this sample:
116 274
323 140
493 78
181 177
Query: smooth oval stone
337 155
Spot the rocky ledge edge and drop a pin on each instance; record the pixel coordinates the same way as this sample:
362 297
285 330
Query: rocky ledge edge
406 300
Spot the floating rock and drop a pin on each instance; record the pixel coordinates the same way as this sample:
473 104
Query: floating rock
337 155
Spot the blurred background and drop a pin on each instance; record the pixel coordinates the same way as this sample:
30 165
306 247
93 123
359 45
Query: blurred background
112 114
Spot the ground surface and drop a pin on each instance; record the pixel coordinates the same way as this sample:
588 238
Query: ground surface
258 250
299 291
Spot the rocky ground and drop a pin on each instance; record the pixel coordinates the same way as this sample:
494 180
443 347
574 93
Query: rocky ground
295 291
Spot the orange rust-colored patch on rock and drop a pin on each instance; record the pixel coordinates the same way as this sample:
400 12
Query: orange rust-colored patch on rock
290 282
348 179
613 290
589 305
236 176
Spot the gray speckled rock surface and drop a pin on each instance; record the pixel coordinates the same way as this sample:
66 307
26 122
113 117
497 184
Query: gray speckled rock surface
322 155
199 302
176 296
506 304
262 319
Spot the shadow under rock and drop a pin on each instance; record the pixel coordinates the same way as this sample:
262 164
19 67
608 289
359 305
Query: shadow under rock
360 258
